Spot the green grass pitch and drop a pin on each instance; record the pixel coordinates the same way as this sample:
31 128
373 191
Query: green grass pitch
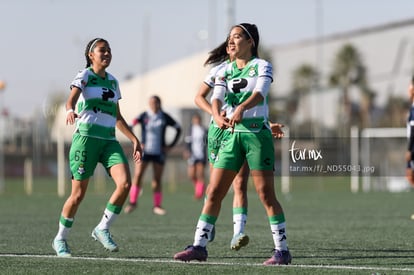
330 231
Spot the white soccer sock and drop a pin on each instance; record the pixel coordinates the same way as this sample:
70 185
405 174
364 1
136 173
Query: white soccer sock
202 232
107 219
279 236
239 222
64 230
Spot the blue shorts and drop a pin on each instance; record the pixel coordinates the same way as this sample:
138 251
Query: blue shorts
193 160
160 159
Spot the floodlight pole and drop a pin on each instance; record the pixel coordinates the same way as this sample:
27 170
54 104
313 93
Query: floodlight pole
230 13
2 134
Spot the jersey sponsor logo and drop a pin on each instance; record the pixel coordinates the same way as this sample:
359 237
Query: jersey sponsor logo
239 84
99 110
107 94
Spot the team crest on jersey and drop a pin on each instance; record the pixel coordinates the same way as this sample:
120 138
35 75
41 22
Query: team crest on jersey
81 169
252 72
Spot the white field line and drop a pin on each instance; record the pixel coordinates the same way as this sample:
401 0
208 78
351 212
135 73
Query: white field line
135 260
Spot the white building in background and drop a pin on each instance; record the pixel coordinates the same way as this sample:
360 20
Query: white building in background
387 51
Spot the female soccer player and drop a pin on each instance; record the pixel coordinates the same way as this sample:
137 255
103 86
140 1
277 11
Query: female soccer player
195 154
96 93
154 123
245 82
223 56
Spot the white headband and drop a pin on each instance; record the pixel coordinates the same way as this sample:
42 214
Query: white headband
93 44
248 33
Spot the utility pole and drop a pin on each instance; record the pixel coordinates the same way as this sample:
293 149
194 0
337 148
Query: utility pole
231 7
2 135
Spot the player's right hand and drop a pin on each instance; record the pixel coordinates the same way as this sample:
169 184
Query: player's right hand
71 118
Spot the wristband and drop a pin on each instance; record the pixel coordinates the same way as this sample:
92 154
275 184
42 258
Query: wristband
69 111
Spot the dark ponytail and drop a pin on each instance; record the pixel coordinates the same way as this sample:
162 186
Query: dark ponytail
218 54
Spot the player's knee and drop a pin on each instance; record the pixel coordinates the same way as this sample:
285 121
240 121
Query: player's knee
267 198
77 198
123 186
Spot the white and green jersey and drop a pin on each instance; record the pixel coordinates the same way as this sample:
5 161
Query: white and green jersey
211 78
234 86
97 104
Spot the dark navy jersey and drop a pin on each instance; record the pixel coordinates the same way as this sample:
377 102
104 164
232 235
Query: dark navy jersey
153 126
410 129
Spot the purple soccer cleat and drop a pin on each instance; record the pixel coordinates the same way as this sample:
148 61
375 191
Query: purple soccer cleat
192 253
279 258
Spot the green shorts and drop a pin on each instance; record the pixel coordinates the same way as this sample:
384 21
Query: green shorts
256 148
85 153
214 139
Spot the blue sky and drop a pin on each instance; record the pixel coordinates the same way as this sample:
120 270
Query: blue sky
43 41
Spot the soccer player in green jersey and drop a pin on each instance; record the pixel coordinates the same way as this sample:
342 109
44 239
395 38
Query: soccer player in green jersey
243 85
223 56
96 93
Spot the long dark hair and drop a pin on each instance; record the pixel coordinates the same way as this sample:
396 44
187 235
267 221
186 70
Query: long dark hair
89 48
217 55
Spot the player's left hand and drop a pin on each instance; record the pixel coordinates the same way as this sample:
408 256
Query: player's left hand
277 130
137 154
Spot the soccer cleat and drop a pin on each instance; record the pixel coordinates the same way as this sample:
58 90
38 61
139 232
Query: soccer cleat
239 240
191 252
105 238
279 258
212 234
159 211
61 247
129 208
